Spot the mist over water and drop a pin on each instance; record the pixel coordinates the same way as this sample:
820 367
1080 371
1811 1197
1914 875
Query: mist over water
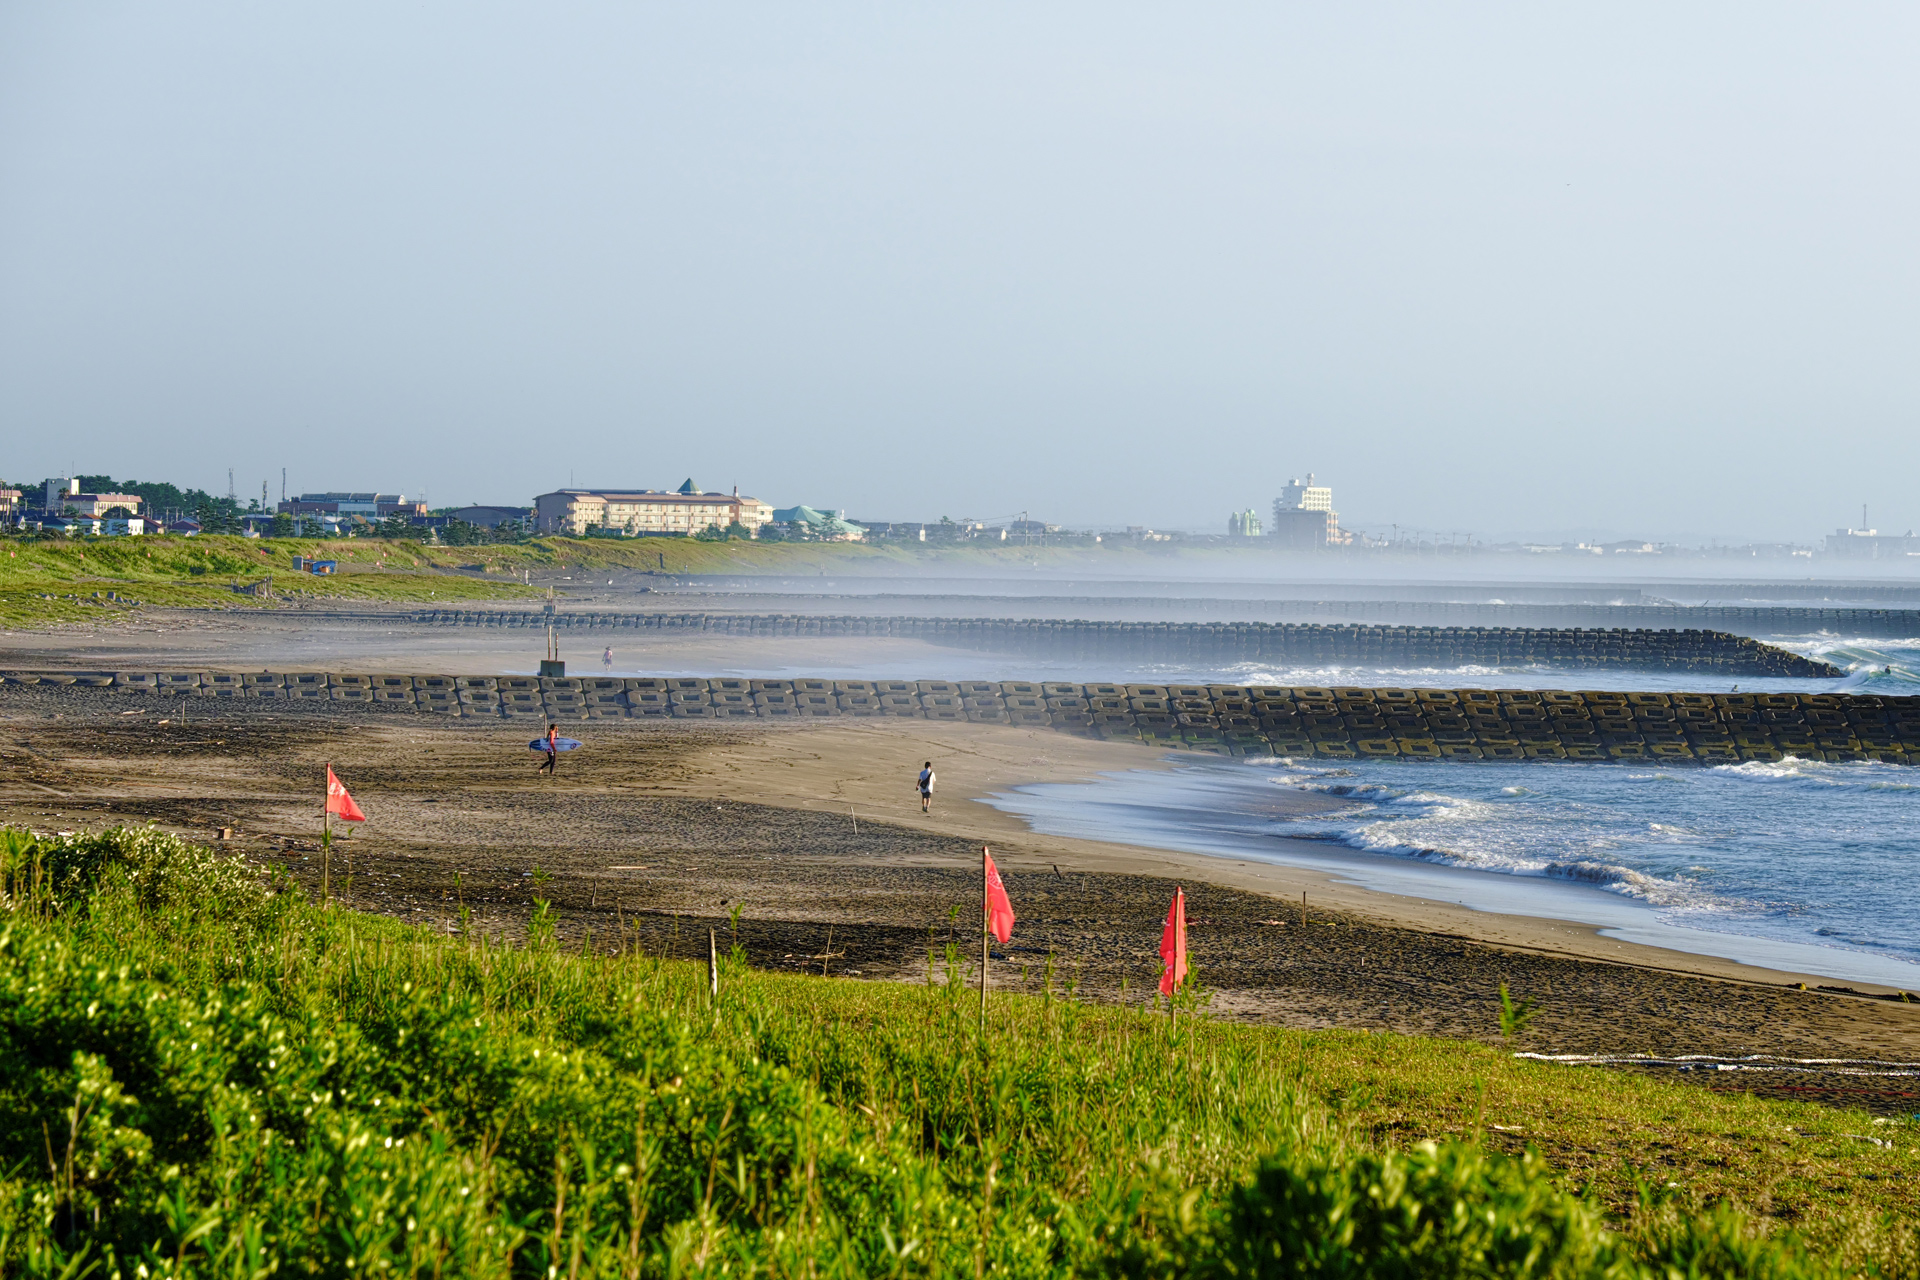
1888 667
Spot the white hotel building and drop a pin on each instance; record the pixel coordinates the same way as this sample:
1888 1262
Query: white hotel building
640 512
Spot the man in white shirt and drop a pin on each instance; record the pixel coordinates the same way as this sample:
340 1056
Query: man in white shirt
926 787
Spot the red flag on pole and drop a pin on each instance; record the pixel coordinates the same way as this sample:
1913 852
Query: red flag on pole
339 803
1173 944
999 910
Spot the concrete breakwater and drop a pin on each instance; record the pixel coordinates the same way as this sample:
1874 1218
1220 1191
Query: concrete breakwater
1331 723
1754 620
1226 642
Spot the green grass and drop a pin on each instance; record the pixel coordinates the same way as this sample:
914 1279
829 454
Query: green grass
39 578
199 1076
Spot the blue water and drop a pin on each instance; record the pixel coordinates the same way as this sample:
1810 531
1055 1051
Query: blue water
1799 865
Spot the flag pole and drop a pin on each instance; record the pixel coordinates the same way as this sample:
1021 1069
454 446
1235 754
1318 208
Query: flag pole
986 934
326 839
1173 1011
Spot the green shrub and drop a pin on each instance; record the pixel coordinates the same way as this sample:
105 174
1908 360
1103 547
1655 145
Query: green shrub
1452 1210
63 873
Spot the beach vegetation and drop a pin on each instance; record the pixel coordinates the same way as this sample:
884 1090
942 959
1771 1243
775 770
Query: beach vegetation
204 1073
1514 1017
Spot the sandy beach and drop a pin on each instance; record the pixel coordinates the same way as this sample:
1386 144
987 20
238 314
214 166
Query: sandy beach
658 831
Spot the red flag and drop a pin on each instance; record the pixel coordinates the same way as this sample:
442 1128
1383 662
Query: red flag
1173 944
339 803
999 910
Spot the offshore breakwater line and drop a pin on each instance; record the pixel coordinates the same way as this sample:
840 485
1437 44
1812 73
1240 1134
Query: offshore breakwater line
1715 652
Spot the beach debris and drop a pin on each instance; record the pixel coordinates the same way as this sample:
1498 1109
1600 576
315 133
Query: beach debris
1751 1062
1861 1137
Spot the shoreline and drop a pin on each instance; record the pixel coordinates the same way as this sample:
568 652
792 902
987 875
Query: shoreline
657 831
836 773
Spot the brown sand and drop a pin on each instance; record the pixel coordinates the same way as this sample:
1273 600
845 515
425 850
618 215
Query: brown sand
663 828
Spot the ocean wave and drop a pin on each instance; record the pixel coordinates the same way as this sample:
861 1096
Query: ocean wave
1659 891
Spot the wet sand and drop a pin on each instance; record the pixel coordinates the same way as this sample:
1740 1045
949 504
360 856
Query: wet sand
659 830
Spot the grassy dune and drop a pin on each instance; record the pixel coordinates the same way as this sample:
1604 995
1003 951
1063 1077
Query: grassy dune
46 581
61 581
199 1076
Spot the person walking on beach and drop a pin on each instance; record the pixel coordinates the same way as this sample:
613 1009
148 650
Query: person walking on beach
553 750
926 787
606 659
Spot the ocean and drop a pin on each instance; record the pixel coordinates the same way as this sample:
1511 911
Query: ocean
1797 864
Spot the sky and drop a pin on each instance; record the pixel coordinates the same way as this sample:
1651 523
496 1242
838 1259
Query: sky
1511 270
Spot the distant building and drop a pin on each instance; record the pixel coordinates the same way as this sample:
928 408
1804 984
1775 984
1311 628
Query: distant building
1243 524
63 497
1870 544
1303 529
646 512
130 527
491 517
11 507
914 530
1303 516
1295 496
374 506
820 524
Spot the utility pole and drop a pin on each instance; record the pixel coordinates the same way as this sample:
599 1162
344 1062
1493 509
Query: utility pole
283 484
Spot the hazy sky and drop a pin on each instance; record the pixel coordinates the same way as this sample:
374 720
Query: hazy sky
1643 269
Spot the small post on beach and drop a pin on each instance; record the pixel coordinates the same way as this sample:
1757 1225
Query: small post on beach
713 968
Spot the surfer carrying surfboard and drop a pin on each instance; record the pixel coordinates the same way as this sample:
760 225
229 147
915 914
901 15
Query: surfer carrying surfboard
553 750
